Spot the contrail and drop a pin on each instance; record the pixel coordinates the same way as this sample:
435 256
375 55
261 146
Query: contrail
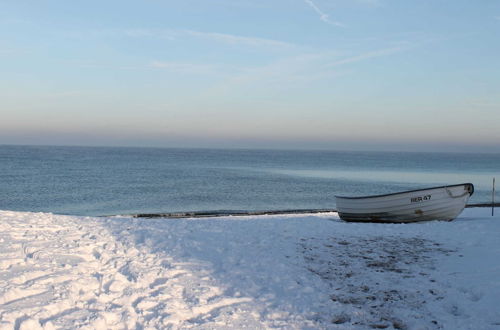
322 16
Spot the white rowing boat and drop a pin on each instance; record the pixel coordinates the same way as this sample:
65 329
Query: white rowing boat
437 203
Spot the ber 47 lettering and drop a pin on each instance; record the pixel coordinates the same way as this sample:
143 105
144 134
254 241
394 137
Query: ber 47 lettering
420 198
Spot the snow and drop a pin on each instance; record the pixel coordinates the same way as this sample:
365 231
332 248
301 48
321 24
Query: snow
291 271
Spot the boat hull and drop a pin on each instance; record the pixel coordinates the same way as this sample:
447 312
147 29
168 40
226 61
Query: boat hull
438 203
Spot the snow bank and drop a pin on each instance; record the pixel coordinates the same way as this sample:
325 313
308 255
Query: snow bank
294 271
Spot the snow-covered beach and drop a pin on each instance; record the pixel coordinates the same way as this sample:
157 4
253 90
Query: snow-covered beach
280 271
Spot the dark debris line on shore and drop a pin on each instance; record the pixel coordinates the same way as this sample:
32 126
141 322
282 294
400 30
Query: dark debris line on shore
212 214
209 214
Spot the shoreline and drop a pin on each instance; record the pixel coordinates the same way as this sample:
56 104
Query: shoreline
238 213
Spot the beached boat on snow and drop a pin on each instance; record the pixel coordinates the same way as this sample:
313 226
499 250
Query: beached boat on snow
437 203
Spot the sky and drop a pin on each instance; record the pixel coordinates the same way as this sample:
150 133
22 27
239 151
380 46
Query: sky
293 74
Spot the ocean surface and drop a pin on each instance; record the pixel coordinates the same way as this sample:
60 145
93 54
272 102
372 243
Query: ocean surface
110 181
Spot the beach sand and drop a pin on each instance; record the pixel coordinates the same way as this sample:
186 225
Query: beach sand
276 271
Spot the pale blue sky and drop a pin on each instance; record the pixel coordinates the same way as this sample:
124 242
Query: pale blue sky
334 74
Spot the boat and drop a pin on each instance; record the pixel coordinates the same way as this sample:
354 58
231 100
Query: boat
436 203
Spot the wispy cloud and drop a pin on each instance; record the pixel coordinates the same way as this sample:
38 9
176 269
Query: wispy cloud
147 33
282 75
4 51
368 55
481 103
497 18
65 94
322 15
300 70
179 34
235 39
184 67
371 3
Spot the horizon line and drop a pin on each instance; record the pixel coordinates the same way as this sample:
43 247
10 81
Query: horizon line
319 149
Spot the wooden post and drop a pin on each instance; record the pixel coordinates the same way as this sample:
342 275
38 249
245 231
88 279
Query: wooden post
493 199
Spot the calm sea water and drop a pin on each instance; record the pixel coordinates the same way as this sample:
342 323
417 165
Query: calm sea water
106 181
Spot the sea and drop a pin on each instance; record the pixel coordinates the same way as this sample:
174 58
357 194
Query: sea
97 181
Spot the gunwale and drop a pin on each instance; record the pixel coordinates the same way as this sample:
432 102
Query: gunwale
409 191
